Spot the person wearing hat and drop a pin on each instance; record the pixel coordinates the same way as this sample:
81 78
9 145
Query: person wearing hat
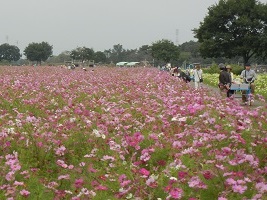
249 76
221 66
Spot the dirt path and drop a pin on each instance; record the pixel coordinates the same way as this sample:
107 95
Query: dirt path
216 91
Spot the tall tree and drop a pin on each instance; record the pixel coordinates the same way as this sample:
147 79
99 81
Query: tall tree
61 58
82 54
38 51
117 53
9 52
165 50
100 57
192 47
144 53
234 28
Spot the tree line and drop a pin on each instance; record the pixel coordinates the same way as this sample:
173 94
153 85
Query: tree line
233 31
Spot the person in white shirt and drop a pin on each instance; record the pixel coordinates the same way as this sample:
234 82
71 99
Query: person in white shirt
198 76
249 76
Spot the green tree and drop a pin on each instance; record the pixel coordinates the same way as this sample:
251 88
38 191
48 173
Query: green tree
9 52
64 56
165 50
234 28
82 54
59 59
100 57
38 52
144 53
192 47
117 53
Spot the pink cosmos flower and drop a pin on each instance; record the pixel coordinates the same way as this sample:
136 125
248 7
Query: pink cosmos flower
144 172
70 166
62 163
257 197
135 140
79 183
176 193
222 198
239 188
261 187
230 181
145 155
207 175
91 169
66 177
16 183
10 176
60 150
195 182
24 193
125 183
182 174
101 187
123 180
211 120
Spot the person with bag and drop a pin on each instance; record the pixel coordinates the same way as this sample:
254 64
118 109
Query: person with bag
249 76
198 76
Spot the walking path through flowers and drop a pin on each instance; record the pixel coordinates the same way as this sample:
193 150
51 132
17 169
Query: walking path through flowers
256 102
125 133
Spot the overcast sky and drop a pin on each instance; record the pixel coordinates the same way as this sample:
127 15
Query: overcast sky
99 24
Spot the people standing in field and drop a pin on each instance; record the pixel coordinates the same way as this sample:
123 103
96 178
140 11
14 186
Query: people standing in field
197 73
248 76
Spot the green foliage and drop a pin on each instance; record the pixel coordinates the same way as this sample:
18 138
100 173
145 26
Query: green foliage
165 50
117 54
61 58
38 51
82 54
237 69
234 28
9 52
214 69
100 57
185 55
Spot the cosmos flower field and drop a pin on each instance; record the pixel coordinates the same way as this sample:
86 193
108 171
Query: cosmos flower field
125 133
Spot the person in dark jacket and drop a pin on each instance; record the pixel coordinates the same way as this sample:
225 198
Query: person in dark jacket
183 75
225 80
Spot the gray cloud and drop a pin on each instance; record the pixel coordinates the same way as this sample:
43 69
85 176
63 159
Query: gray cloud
99 24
